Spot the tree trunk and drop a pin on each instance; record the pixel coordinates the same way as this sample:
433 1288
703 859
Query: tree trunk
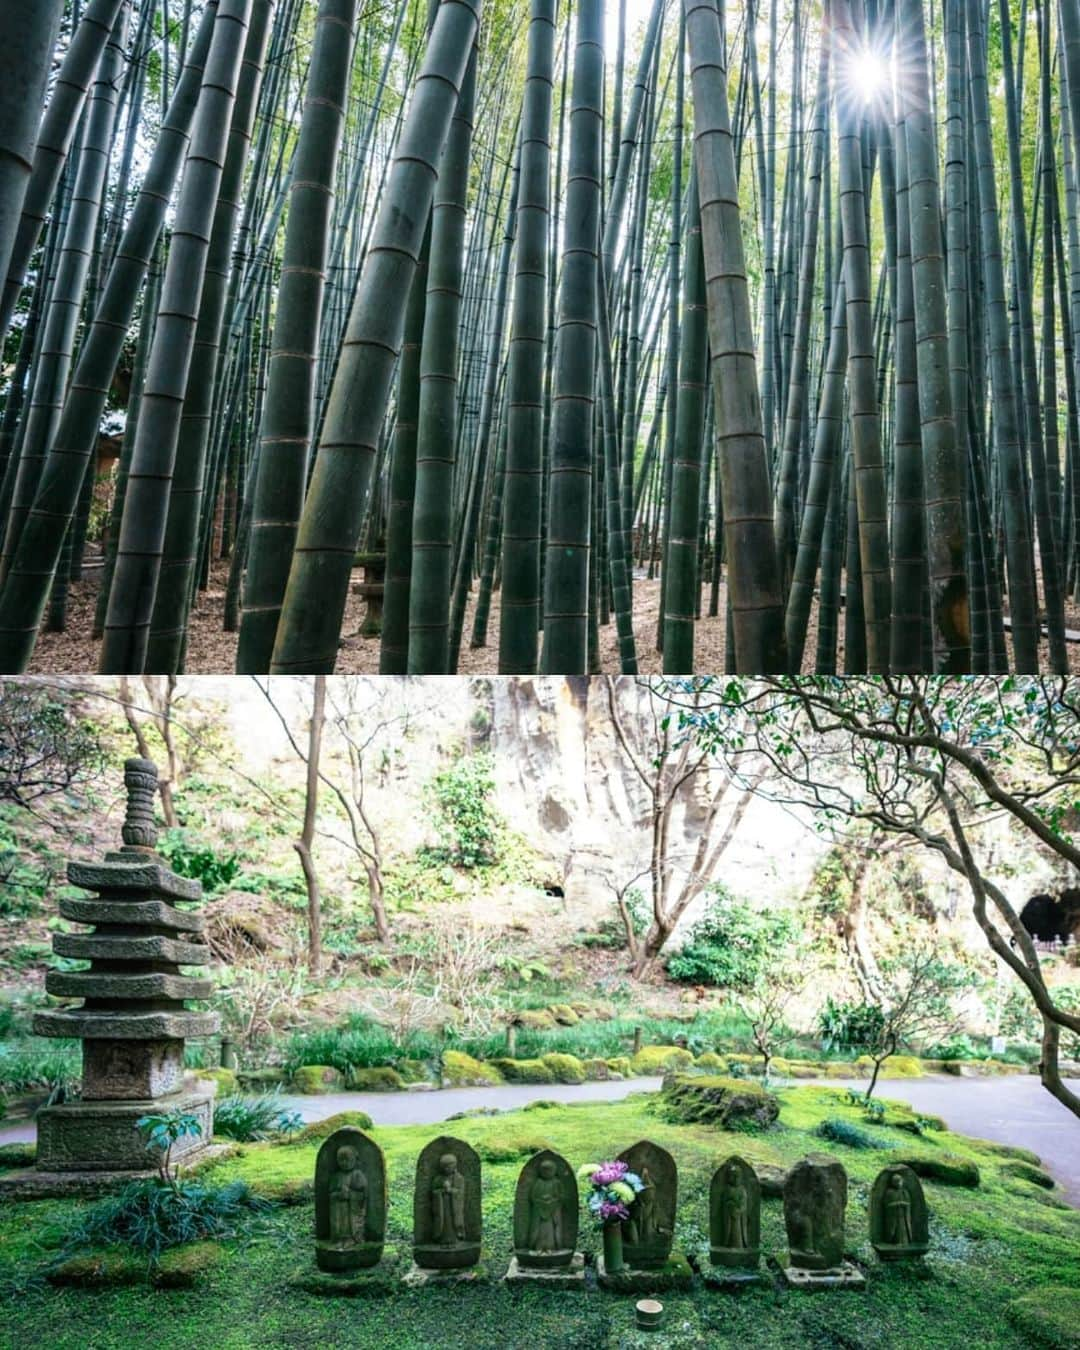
307 833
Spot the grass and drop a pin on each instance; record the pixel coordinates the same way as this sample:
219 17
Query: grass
989 1246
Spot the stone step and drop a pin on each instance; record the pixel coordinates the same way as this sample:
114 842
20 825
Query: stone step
120 1026
153 880
108 984
103 947
151 913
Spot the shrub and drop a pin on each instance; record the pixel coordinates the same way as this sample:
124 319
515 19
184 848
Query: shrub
730 946
189 857
844 1132
359 1043
461 795
39 1063
621 1065
150 1217
251 1118
849 1026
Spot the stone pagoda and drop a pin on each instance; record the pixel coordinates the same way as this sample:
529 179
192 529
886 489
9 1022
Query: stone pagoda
133 1020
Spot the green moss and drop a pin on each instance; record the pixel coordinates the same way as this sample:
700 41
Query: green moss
314 1079
1051 1316
596 1070
18 1155
181 1267
566 1068
896 1066
536 1019
711 1060
319 1130
510 1150
620 1064
1007 1150
105 1269
730 1103
651 1060
524 1070
564 1014
378 1079
226 1080
414 1070
946 1168
1025 1172
461 1070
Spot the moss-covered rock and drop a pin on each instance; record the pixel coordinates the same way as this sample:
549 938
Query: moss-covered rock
287 1191
945 1168
896 1066
651 1060
712 1061
535 1019
461 1070
379 1078
524 1070
226 1080
510 1150
315 1079
1025 1172
104 1269
771 1179
620 1066
18 1155
181 1267
542 1104
414 1070
566 1068
596 1070
319 1130
730 1103
564 1014
1050 1316
1010 1151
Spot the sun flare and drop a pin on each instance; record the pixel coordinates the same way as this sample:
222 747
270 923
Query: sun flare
868 74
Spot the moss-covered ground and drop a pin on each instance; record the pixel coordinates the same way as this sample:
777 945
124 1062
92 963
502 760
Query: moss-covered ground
1003 1270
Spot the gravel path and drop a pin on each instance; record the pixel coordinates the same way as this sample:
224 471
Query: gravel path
1014 1110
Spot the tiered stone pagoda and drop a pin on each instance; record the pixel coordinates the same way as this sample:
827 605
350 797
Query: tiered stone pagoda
133 1020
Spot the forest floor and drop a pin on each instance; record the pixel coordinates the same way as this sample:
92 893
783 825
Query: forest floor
211 651
1001 1272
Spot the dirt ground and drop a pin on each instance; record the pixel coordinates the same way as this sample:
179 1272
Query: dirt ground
212 651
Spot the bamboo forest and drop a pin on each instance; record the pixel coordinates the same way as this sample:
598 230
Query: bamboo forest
530 336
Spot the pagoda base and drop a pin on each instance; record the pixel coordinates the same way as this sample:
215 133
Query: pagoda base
101 1136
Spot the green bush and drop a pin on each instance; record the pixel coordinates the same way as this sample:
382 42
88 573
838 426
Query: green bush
38 1062
731 945
843 1132
251 1118
849 1026
151 1217
461 795
359 1043
190 857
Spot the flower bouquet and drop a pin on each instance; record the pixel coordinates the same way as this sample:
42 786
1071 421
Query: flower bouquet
612 1190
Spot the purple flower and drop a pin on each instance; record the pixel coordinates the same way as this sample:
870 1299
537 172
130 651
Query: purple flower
612 1211
609 1172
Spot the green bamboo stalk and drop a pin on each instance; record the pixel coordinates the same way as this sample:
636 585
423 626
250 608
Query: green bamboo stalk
753 570
285 436
142 530
566 572
330 526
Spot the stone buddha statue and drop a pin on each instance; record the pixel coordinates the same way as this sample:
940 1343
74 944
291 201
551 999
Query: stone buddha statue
348 1197
448 1203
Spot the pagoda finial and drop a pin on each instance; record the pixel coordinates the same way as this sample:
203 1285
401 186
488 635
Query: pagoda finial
140 831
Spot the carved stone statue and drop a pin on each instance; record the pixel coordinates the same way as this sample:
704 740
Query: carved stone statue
815 1196
899 1222
650 1229
545 1212
735 1215
446 1206
350 1202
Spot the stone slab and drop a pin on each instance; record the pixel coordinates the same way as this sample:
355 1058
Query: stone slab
101 1136
121 947
126 1026
559 1277
419 1277
730 1280
121 873
145 913
675 1274
109 984
30 1184
847 1276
